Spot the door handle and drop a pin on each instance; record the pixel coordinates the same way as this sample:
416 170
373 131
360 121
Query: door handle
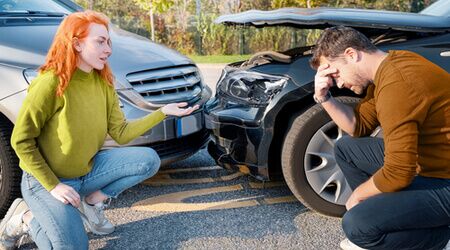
445 53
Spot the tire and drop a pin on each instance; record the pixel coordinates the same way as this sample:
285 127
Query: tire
308 162
10 173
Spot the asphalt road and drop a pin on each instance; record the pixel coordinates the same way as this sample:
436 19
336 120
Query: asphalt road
211 73
191 210
194 204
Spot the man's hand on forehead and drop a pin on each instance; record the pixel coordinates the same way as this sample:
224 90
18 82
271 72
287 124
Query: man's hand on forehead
325 70
323 81
323 66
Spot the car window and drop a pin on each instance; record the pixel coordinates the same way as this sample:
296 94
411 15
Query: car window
7 6
439 8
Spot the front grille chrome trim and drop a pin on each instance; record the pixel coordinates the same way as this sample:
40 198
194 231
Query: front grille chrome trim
167 85
161 73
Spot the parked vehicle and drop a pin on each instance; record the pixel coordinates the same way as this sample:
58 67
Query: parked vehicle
148 75
263 117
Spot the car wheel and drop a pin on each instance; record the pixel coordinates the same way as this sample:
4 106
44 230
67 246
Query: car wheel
10 173
308 162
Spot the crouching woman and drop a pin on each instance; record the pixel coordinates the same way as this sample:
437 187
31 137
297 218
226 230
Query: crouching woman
70 108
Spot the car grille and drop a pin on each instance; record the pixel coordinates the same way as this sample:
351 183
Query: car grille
167 85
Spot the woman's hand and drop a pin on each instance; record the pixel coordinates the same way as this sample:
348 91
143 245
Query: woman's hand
177 110
66 194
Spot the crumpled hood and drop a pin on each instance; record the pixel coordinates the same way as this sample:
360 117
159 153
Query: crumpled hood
326 17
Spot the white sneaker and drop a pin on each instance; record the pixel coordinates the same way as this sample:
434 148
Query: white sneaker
94 218
346 244
12 227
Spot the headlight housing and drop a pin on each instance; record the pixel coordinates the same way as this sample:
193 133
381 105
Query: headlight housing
250 87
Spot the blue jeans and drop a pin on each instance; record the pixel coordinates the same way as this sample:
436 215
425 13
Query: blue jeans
417 217
59 226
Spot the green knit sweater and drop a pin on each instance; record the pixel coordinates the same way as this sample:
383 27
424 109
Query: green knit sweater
59 136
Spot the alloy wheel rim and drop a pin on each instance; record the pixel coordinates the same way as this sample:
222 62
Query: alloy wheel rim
322 172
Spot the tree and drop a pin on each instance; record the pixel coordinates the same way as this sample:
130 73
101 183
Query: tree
188 25
302 3
154 6
91 4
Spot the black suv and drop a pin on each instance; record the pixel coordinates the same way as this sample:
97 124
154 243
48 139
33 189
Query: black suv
263 116
148 75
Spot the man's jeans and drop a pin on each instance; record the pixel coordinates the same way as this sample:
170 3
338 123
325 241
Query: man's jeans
417 217
59 226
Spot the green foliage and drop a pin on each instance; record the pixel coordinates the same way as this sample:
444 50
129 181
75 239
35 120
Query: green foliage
287 3
215 39
158 6
218 58
178 25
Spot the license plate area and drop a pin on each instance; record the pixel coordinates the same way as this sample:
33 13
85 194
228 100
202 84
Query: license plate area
187 125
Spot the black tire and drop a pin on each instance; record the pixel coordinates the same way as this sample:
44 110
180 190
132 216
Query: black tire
10 173
300 168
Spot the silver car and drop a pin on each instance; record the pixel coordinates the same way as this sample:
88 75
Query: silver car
148 75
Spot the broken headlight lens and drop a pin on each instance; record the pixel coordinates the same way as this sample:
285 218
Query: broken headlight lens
250 87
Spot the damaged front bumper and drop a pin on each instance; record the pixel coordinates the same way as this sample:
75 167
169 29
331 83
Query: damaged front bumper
237 138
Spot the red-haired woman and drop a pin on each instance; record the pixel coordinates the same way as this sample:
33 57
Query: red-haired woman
70 108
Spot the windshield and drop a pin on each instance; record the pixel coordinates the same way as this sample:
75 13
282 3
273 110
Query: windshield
439 8
18 6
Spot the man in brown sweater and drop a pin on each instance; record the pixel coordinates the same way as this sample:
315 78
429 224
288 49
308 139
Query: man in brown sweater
401 183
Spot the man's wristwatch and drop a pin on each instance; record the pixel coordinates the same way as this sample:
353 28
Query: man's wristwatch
323 99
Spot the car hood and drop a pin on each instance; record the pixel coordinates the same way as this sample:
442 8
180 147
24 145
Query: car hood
131 53
325 17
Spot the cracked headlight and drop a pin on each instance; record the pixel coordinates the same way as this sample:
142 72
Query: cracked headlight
250 87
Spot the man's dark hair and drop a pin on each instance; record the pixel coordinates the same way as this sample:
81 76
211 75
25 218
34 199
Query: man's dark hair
333 42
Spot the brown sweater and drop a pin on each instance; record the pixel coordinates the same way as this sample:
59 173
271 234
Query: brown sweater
410 99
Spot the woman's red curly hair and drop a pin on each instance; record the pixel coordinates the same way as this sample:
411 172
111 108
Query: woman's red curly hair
62 56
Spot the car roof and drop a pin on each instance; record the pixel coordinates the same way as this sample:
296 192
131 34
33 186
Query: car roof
325 17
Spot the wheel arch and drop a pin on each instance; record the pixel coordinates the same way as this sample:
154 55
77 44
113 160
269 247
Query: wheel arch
283 120
281 126
303 128
5 119
9 166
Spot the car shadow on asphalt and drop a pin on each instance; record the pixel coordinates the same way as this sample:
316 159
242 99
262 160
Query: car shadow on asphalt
171 231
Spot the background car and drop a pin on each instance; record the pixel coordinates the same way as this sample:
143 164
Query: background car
263 117
148 75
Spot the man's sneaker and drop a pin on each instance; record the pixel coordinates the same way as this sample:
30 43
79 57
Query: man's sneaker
346 244
12 228
94 218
